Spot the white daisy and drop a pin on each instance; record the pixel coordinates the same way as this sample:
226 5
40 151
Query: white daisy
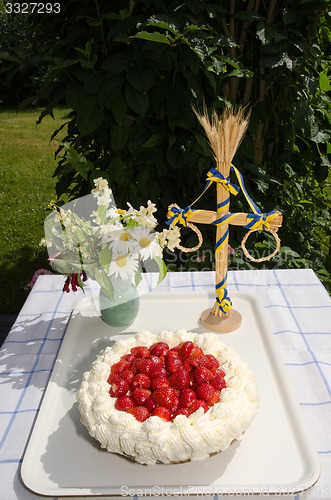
123 266
107 231
147 243
121 241
114 213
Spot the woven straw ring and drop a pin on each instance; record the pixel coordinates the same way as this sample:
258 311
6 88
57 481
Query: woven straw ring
194 228
268 257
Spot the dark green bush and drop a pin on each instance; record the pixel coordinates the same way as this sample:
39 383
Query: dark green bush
22 68
131 70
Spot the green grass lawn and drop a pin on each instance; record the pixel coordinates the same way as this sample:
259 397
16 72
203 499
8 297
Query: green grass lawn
26 187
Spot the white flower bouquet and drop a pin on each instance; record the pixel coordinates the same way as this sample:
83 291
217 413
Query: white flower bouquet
106 242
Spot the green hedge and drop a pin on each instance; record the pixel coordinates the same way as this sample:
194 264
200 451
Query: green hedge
131 70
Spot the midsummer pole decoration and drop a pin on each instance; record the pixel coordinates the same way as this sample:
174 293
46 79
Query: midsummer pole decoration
225 133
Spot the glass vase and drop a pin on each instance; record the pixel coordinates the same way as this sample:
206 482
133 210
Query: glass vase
122 309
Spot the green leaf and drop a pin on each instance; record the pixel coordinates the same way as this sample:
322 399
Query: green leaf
119 108
118 170
137 101
318 136
154 140
106 284
118 137
163 22
162 269
109 90
137 277
105 257
152 37
89 116
77 161
117 63
74 96
324 81
141 81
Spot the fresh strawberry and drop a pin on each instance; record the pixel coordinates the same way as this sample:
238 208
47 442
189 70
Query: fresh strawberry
174 351
140 351
216 396
204 391
162 412
186 398
196 351
186 349
140 413
159 349
133 365
119 388
166 396
124 403
218 382
157 360
120 366
182 411
180 379
140 396
219 372
127 375
140 381
208 394
158 371
202 374
158 382
192 376
128 357
173 363
194 385
199 403
112 377
187 365
150 404
145 366
175 406
198 360
213 362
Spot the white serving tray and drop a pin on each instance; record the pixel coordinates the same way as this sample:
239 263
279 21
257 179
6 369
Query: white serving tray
275 456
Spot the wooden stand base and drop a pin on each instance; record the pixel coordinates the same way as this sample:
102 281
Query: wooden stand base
228 323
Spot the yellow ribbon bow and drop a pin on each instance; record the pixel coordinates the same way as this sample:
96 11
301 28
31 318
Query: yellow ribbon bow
261 221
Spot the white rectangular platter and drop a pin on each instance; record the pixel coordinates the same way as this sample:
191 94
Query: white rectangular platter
275 456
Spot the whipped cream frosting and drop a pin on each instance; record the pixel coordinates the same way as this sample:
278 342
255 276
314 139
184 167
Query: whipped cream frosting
185 438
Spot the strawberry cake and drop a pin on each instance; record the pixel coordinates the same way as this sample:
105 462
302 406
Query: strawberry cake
168 398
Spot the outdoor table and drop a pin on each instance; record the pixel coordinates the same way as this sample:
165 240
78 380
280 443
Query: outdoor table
297 307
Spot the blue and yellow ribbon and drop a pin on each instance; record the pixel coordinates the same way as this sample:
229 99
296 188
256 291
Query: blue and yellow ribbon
179 216
222 297
251 203
215 176
260 221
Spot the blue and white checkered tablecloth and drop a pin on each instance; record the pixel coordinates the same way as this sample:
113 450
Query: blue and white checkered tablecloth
299 312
